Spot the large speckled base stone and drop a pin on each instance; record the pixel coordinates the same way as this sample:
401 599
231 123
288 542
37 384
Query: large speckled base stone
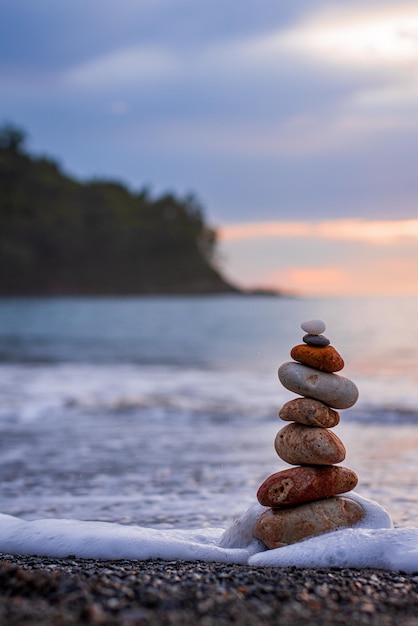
305 445
325 359
305 484
331 389
309 412
280 527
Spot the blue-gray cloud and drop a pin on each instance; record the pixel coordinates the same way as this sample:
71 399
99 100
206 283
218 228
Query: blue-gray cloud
250 106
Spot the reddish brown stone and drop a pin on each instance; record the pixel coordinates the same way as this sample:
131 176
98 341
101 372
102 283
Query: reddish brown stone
309 412
305 484
280 527
305 445
325 359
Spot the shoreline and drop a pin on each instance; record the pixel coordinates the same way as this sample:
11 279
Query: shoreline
70 591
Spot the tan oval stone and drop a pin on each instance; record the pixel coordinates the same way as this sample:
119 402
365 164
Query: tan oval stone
332 389
309 412
305 484
305 445
280 527
325 359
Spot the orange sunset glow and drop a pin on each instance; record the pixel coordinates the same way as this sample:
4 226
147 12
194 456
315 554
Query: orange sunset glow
341 257
348 229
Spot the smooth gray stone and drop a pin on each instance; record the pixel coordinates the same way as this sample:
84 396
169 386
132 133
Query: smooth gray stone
331 389
314 327
317 341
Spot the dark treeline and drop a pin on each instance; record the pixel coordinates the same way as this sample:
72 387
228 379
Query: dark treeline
59 236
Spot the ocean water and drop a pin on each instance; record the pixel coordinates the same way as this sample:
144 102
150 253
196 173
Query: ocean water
162 412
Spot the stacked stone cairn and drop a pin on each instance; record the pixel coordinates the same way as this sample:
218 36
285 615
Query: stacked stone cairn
305 500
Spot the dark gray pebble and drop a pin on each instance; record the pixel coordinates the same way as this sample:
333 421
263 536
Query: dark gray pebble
73 592
317 341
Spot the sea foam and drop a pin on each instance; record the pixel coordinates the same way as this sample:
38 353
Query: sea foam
373 542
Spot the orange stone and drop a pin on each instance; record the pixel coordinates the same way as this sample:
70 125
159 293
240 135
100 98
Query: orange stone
325 359
306 445
280 527
305 484
309 412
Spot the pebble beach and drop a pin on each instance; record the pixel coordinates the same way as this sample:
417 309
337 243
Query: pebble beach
106 431
67 592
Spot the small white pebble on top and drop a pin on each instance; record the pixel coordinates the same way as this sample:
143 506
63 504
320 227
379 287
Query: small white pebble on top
313 327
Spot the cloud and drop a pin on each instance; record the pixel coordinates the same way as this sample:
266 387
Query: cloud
280 112
382 37
379 38
318 105
334 257
399 95
126 66
324 280
295 137
371 231
394 277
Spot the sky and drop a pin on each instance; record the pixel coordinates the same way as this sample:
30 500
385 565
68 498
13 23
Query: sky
294 123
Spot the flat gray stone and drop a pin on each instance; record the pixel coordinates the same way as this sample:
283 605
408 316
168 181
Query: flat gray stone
318 341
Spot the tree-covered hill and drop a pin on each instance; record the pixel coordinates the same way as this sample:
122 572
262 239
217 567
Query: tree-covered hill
59 236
